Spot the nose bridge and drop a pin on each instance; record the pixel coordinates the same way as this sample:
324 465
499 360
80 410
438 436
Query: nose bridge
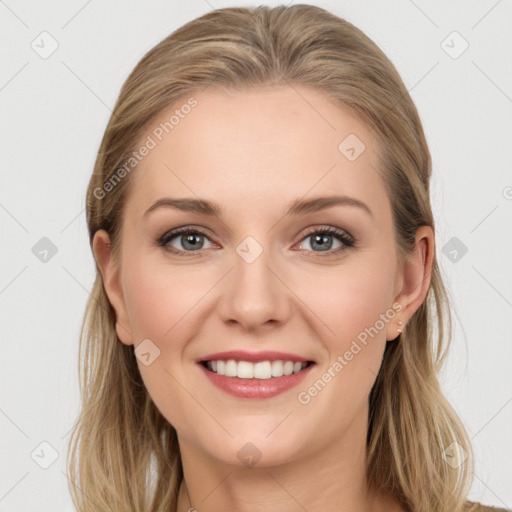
254 295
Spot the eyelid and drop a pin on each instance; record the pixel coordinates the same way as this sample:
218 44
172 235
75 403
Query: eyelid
344 237
176 232
331 230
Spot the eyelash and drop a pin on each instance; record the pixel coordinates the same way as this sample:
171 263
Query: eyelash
347 240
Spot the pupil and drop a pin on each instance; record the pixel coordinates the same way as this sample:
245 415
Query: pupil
191 239
323 241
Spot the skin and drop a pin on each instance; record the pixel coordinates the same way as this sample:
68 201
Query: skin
253 152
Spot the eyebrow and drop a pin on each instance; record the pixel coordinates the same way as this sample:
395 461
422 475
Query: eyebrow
296 207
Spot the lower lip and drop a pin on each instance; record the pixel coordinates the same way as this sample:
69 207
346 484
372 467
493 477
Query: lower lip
256 388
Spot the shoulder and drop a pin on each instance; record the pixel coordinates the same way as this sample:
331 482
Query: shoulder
478 507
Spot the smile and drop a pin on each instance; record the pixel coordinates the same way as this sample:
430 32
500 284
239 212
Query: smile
254 375
261 370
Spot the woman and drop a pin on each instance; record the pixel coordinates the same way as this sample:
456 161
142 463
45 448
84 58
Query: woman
268 315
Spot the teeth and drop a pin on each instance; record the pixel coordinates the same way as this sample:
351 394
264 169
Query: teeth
288 368
231 368
277 368
261 370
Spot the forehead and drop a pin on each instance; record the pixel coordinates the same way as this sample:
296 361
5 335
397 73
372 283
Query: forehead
256 148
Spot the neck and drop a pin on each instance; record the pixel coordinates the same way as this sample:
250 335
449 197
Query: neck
332 480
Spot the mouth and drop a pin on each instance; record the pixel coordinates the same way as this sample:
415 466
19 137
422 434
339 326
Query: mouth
262 370
255 375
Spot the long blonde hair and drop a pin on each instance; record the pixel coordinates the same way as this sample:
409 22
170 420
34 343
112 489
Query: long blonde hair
124 455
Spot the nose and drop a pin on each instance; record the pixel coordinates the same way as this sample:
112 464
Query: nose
254 295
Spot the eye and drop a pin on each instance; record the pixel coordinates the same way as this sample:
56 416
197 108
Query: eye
189 239
321 240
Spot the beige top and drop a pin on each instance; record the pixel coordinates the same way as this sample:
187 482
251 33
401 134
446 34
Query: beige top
478 507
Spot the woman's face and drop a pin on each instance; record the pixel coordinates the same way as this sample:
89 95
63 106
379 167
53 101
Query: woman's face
261 274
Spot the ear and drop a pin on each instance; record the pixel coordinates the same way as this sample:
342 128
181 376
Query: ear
414 279
112 283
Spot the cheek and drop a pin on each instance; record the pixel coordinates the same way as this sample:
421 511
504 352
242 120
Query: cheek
352 299
353 302
161 303
150 303
352 305
158 297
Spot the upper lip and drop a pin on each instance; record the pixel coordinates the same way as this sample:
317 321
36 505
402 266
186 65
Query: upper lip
253 357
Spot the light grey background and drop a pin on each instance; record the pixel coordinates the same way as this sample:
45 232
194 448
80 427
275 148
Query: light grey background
54 111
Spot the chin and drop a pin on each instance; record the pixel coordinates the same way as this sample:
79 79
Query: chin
254 448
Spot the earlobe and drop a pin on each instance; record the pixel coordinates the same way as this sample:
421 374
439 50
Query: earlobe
112 283
415 278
